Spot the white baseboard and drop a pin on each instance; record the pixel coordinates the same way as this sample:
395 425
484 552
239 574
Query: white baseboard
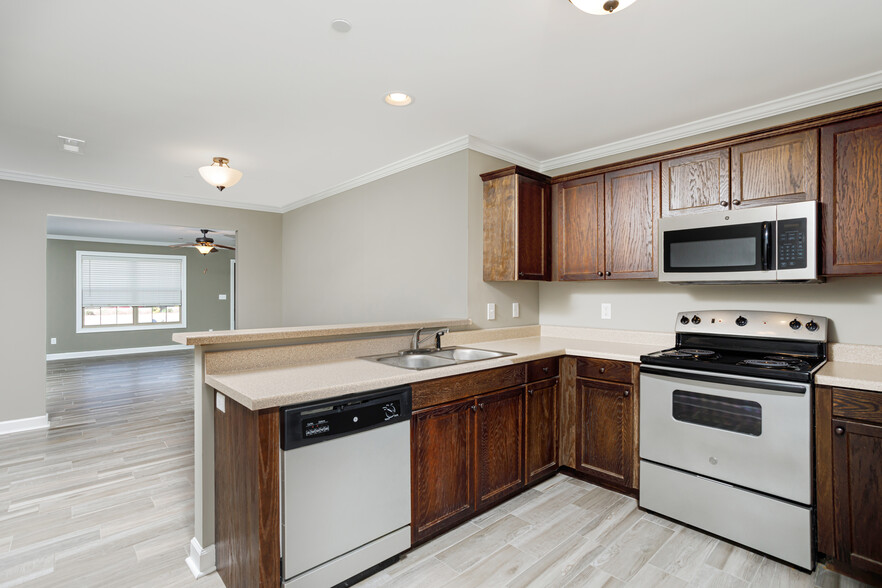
201 560
28 424
106 352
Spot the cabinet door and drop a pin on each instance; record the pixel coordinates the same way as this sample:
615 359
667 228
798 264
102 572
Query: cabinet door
499 229
542 439
631 218
442 467
579 228
605 431
695 183
775 170
857 493
500 444
534 229
851 196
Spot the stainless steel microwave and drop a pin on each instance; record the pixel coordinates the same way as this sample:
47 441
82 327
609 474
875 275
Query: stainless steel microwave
763 244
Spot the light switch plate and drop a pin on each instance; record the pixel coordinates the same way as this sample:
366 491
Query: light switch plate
606 310
221 296
221 402
491 311
515 310
52 341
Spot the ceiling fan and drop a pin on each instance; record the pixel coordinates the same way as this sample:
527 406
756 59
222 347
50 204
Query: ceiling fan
205 244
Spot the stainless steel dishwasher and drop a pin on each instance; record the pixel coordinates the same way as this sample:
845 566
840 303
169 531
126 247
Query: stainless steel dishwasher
345 487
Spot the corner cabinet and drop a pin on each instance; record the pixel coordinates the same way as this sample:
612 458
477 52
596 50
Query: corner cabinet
517 225
606 225
851 196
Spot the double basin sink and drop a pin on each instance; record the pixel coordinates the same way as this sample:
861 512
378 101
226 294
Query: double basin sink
424 359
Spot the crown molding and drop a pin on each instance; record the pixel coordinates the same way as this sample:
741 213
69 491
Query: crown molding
15 176
829 93
482 146
109 240
426 156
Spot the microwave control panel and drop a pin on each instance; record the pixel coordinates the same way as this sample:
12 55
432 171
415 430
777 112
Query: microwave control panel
792 246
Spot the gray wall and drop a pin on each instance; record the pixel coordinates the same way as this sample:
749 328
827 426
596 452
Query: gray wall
394 249
207 276
23 210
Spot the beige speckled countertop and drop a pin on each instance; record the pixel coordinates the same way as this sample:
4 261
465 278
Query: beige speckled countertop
864 376
272 387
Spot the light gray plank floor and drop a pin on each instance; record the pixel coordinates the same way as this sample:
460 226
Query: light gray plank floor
104 497
565 532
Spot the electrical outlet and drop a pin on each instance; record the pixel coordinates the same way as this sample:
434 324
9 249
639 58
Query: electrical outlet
52 341
221 296
515 310
221 402
606 310
491 311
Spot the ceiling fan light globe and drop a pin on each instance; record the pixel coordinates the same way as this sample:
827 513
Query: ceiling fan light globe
205 248
598 6
220 176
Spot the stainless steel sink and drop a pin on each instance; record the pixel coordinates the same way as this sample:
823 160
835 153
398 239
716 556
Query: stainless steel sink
424 359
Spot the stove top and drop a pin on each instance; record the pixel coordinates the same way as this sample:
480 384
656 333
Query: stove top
750 343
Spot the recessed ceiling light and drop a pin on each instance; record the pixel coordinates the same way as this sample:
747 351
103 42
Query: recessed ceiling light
398 99
72 145
341 25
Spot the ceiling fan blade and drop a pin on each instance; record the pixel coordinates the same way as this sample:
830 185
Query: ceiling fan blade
183 245
225 247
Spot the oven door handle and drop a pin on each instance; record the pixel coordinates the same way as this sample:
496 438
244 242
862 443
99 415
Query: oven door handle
775 386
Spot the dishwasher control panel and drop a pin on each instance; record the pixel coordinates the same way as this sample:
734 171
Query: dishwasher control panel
305 424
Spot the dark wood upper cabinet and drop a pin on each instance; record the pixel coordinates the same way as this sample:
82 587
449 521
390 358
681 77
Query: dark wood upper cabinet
851 196
442 467
500 449
579 237
695 183
542 429
605 431
517 225
857 493
631 222
776 170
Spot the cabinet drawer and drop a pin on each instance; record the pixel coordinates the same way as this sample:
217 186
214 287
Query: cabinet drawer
857 404
443 390
543 369
604 369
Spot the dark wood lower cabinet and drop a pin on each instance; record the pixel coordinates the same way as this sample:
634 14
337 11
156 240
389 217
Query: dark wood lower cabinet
500 447
442 467
542 429
605 431
857 493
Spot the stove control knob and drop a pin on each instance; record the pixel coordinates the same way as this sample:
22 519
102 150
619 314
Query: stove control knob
741 321
696 319
811 326
795 324
684 320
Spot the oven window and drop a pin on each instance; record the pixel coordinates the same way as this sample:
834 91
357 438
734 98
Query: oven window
728 414
716 253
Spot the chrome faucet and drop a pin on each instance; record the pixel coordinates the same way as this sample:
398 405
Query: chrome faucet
415 342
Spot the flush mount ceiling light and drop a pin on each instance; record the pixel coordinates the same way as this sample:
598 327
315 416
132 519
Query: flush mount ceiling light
219 174
72 145
398 99
602 6
341 25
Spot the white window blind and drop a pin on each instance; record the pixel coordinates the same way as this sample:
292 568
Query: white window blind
131 281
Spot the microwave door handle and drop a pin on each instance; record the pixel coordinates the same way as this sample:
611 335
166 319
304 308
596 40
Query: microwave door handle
767 246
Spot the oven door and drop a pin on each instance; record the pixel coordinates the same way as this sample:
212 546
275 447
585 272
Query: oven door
746 431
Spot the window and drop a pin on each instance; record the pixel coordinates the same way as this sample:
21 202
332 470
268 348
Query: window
130 291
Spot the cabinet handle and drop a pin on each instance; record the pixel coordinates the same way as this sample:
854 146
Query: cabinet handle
599 273
474 408
520 274
840 430
724 203
609 273
530 392
545 370
627 393
602 370
481 406
736 202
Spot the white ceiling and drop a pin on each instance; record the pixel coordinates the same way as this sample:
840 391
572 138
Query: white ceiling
124 232
157 89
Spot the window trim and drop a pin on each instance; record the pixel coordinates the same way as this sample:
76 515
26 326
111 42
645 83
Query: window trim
133 327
